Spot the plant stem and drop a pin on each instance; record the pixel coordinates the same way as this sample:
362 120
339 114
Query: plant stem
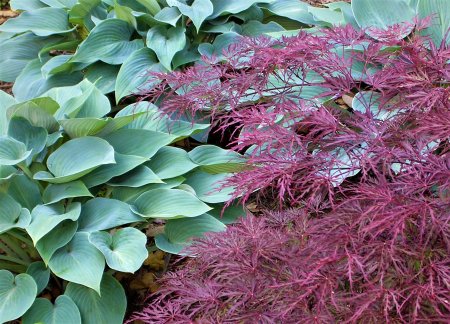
13 260
16 248
17 268
6 249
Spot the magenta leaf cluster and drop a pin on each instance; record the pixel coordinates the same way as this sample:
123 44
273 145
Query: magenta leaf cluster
352 132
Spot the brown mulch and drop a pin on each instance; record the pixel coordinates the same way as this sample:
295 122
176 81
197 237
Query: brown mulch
5 14
319 3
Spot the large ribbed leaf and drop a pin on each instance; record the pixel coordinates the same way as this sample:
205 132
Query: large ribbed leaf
135 73
6 101
233 6
17 294
168 15
80 262
40 273
57 192
11 214
198 11
382 14
109 42
166 42
76 158
41 22
169 203
439 10
103 75
102 214
43 311
107 307
26 4
44 218
81 9
12 151
292 9
33 137
124 251
214 159
170 162
137 177
210 188
25 191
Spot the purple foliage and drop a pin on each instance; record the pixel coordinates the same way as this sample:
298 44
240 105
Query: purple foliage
369 241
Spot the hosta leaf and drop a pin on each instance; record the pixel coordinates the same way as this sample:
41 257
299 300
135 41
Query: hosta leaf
80 262
329 17
33 137
76 158
81 9
57 192
124 251
108 42
25 191
214 159
382 14
40 273
44 218
41 22
135 73
166 42
17 294
12 215
151 5
210 187
233 6
178 233
138 177
60 236
60 3
198 11
102 214
108 306
256 28
228 215
221 43
26 4
138 142
439 10
168 15
169 203
80 127
103 75
6 101
43 311
170 162
12 151
292 9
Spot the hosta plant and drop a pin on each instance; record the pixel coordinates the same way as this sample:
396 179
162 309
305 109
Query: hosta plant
77 189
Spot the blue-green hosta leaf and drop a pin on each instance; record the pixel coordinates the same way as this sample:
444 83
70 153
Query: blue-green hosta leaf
137 177
178 233
18 51
292 9
109 42
198 11
33 137
25 191
17 294
369 101
44 218
80 262
60 3
101 214
170 162
124 251
108 306
6 101
168 15
169 203
125 13
210 187
76 158
81 9
166 42
43 311
151 5
327 17
12 215
124 164
440 23
57 192
221 43
214 159
230 214
103 75
12 151
7 172
382 14
57 64
40 273
26 5
30 83
59 237
233 6
41 22
138 142
256 28
135 73
39 112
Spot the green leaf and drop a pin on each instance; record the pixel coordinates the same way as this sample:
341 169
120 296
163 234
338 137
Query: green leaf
125 14
198 11
26 5
151 5
76 158
41 275
11 214
178 233
44 218
43 311
12 151
230 214
101 214
135 73
59 237
57 192
80 262
41 22
292 9
60 3
17 294
25 191
168 15
168 203
210 187
124 251
233 6
33 137
138 177
108 306
329 17
382 14
170 162
108 42
79 11
166 43
213 159
6 101
440 23
103 75
221 43
138 142
256 28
